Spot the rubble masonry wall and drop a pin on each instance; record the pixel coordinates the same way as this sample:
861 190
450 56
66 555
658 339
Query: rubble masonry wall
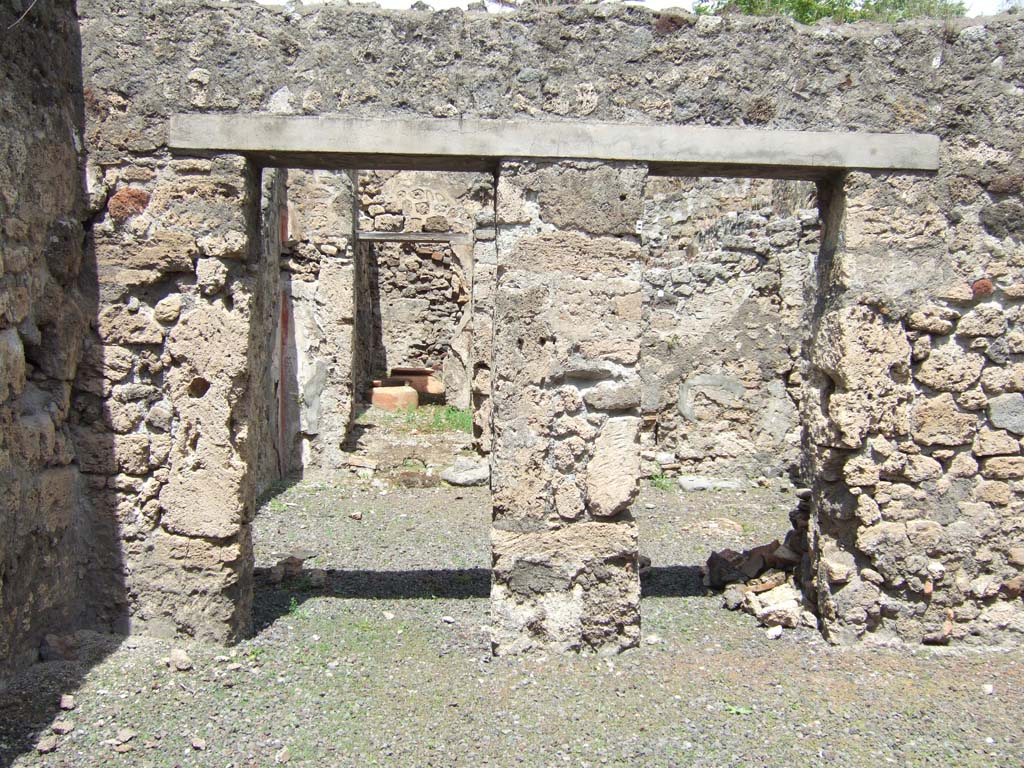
60 565
912 268
727 293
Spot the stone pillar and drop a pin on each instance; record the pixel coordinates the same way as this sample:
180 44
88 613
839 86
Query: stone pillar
184 338
566 396
915 462
318 288
481 354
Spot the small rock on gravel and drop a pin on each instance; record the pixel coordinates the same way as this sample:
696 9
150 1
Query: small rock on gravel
46 744
283 756
180 661
62 727
467 472
773 633
198 744
704 483
67 702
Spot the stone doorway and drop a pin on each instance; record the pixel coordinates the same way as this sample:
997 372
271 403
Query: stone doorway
567 332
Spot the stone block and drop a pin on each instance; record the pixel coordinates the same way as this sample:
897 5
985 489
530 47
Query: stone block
95 452
983 320
207 501
12 364
574 588
118 325
164 252
990 442
1007 412
998 379
937 421
131 453
933 319
1003 468
613 396
950 369
993 492
211 276
168 309
227 245
614 471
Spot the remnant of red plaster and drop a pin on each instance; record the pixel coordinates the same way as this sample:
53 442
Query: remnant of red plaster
982 288
127 202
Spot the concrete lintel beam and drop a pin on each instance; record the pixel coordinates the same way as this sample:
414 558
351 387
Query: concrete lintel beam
445 144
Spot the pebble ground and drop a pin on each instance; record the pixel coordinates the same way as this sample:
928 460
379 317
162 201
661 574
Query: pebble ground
389 664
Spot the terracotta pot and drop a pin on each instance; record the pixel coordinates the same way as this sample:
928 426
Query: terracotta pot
395 398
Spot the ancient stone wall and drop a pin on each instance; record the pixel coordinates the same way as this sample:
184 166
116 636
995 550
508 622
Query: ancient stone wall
272 411
315 331
183 343
726 285
914 436
53 550
941 559
421 291
566 397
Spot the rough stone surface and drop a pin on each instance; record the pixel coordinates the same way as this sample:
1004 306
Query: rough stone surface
60 568
725 319
564 578
156 403
313 355
467 472
420 292
900 508
1007 412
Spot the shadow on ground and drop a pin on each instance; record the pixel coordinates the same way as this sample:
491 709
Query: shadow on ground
275 600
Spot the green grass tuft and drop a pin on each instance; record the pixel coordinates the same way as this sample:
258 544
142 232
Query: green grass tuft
662 482
426 418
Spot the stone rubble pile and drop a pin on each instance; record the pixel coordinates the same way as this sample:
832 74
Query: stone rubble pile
292 567
765 581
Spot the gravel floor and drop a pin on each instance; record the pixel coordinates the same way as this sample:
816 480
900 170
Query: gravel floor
389 664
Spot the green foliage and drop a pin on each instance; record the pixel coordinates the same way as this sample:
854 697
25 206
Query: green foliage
733 709
662 482
450 419
428 418
810 11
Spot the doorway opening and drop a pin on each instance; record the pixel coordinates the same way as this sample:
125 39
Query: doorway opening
728 294
379 442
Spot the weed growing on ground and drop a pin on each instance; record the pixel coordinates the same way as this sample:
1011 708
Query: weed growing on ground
449 419
733 709
426 418
662 482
